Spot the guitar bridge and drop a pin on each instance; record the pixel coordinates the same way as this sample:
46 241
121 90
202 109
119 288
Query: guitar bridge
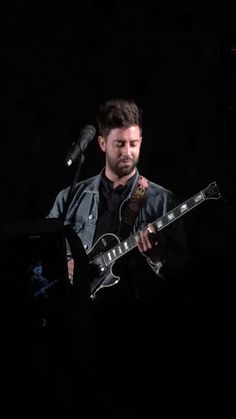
99 263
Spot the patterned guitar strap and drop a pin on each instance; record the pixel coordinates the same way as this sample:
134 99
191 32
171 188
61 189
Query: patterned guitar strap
133 207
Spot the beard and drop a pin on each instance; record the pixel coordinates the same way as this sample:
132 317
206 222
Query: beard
122 167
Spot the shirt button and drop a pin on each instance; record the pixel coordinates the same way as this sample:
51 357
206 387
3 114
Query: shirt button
85 246
90 216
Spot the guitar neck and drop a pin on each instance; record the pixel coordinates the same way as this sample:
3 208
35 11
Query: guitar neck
180 210
211 192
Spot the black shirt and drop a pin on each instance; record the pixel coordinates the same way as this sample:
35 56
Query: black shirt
109 206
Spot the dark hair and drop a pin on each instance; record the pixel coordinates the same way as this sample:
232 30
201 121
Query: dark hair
118 113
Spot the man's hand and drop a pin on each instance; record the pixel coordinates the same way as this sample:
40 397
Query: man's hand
151 243
70 267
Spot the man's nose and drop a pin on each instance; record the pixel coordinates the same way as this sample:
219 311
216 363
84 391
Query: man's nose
126 149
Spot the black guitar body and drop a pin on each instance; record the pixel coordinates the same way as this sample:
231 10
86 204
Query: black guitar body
102 271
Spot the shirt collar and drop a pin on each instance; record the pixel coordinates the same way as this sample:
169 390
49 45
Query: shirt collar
107 185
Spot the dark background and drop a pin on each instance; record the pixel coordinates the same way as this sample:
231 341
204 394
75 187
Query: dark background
178 61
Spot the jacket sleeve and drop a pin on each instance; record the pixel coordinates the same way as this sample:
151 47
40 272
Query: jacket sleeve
58 206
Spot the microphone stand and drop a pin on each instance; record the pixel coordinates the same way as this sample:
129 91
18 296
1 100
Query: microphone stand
75 248
79 292
72 188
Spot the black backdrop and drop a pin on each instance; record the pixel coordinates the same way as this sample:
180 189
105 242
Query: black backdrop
59 64
177 60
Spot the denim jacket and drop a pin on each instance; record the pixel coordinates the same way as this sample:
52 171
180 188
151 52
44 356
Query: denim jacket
82 213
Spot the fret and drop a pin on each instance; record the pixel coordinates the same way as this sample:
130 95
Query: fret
159 224
126 245
133 242
109 256
198 197
119 250
163 221
171 216
123 247
183 208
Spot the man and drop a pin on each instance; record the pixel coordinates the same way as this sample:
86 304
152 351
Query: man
40 284
100 203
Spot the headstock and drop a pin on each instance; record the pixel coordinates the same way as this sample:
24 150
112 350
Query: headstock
211 191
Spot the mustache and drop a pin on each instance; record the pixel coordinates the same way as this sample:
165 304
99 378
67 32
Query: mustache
125 159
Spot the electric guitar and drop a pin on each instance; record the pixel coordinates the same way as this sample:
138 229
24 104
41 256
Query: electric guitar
43 292
108 248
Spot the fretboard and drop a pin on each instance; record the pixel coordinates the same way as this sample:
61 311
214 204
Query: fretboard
178 211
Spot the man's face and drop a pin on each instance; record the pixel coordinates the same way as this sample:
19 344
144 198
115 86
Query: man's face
38 270
122 149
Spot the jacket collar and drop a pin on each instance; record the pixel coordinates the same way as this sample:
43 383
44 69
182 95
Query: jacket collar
97 180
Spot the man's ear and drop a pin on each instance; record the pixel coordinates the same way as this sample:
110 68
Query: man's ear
102 143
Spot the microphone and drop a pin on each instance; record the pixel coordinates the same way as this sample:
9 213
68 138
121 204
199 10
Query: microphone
85 137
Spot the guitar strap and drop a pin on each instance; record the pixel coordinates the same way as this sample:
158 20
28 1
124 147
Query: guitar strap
134 206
